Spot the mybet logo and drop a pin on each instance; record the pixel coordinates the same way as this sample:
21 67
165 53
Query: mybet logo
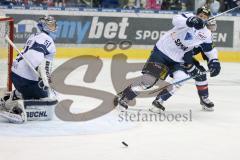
94 29
109 30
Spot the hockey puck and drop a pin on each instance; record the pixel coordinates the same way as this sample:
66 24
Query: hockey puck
125 144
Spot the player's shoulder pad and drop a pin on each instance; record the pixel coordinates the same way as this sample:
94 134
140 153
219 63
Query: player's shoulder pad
45 43
42 37
204 34
31 36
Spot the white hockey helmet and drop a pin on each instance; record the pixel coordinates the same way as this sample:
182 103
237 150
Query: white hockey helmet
48 25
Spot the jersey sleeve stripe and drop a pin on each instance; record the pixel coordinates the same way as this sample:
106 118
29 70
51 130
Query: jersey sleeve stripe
40 48
184 15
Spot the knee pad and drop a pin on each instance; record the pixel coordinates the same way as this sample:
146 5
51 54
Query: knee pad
157 70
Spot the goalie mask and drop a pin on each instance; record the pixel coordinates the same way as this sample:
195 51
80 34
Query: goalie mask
48 25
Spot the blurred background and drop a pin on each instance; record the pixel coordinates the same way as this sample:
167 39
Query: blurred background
180 5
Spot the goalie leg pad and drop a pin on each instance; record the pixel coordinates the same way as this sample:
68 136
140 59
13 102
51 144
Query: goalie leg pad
40 110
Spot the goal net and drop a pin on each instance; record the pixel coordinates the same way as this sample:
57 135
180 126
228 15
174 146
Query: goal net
6 54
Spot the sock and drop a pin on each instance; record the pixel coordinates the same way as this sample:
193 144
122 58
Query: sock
129 94
202 90
164 95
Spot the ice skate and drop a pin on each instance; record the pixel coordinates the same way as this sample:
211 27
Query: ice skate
157 106
120 102
207 105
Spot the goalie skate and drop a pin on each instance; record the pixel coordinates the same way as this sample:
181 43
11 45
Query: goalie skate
16 114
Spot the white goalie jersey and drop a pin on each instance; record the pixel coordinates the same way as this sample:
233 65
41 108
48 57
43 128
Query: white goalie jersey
181 39
38 48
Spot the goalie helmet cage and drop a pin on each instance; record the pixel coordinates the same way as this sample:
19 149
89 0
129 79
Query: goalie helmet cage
6 53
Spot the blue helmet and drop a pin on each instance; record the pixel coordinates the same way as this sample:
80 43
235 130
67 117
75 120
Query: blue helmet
48 25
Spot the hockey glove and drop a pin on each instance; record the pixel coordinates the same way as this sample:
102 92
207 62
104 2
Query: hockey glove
214 67
193 71
195 22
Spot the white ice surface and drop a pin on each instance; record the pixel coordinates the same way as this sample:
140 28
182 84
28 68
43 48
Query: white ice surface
210 135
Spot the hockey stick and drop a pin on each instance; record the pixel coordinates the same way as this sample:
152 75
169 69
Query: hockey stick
211 18
26 60
175 83
20 53
186 79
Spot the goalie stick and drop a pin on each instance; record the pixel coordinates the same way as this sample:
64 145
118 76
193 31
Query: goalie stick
20 53
30 65
26 60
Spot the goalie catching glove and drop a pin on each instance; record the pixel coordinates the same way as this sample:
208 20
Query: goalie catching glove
45 70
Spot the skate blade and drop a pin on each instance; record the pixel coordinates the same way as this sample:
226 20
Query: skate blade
206 109
121 109
155 110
